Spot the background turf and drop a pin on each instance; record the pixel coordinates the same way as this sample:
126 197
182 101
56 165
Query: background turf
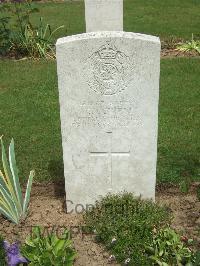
29 108
165 18
29 112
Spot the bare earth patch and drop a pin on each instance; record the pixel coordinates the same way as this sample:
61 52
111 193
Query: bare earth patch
48 209
166 53
185 209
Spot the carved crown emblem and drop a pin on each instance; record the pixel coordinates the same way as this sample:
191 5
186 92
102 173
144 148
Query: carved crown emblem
107 70
108 51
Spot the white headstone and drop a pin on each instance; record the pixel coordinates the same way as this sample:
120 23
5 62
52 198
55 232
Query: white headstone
104 15
108 90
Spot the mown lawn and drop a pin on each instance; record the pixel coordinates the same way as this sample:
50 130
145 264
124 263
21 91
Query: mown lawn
29 112
165 18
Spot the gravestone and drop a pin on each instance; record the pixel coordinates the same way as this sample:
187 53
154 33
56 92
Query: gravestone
104 15
108 92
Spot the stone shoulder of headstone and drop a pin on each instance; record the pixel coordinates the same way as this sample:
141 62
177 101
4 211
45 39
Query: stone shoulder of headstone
108 34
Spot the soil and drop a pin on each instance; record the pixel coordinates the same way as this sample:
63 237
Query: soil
47 208
165 53
168 52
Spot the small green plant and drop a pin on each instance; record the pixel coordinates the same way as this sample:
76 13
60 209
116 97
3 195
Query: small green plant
168 249
36 42
125 225
190 46
49 250
2 253
185 184
12 204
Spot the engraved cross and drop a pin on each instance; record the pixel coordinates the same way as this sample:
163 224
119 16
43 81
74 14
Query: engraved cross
110 154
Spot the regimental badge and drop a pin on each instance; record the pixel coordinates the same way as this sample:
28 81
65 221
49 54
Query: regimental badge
107 70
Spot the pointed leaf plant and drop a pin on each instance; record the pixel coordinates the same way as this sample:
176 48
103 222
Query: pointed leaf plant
12 204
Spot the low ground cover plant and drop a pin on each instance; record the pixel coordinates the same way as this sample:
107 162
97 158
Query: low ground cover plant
125 224
12 204
41 248
190 46
169 248
49 250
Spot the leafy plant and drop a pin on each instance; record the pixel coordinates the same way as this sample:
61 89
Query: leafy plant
14 17
36 42
49 250
189 46
2 253
125 225
21 10
24 38
12 204
167 249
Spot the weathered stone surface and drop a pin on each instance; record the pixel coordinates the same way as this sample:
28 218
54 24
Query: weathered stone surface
108 90
104 15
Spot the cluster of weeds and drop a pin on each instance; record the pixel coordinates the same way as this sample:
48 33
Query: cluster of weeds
189 46
125 224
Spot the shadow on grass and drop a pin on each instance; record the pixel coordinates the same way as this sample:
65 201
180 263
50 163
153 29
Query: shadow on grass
56 171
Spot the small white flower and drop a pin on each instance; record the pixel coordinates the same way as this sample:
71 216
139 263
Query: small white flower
127 261
113 240
111 258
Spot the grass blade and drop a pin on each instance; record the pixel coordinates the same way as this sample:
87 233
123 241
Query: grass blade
54 31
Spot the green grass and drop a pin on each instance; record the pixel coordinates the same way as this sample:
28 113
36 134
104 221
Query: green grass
166 18
179 114
29 112
70 14
137 218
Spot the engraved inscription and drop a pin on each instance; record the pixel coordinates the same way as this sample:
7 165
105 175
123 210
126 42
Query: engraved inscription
119 114
107 70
